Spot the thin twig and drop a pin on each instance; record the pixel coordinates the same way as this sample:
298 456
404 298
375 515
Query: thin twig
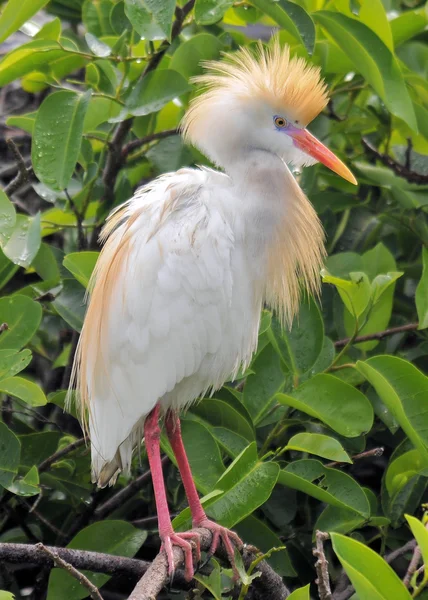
396 167
94 592
82 241
23 171
321 566
367 454
125 494
135 144
413 565
46 464
378 335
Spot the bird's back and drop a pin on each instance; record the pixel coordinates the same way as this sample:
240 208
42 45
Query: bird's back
172 310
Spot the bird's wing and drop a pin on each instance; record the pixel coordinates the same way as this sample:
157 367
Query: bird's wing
158 307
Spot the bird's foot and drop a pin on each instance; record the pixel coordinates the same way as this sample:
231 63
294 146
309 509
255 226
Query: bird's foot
229 539
181 540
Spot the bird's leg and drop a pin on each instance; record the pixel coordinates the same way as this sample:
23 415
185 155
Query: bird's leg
199 518
168 536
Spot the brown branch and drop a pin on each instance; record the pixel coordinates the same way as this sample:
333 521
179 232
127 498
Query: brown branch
413 565
321 566
23 171
268 585
378 335
46 464
124 494
367 454
109 564
408 547
400 170
94 592
135 144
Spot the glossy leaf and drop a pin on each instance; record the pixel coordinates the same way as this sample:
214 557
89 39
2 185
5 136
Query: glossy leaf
291 17
401 387
208 12
334 402
12 362
321 445
111 537
58 137
70 303
326 484
403 468
421 536
24 240
7 218
373 60
23 317
301 593
81 265
187 59
422 293
10 450
28 485
15 13
23 389
371 576
28 58
339 520
154 91
355 293
152 19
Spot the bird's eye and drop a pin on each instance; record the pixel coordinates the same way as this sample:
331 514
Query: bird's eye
280 122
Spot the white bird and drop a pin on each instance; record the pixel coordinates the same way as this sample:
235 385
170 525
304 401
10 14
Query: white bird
189 261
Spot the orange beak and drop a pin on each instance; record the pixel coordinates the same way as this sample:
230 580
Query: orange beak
308 143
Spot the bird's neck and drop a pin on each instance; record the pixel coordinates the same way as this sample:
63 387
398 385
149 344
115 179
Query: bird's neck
282 230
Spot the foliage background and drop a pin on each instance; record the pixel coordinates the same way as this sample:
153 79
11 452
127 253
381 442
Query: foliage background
92 95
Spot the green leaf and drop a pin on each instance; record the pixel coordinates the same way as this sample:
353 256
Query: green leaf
291 17
10 449
24 241
7 218
50 31
23 317
203 454
27 58
36 447
208 12
373 60
355 293
301 593
58 137
23 389
12 362
408 25
371 576
100 110
154 91
187 59
422 292
6 595
339 520
260 388
246 485
15 13
25 122
421 535
334 402
321 445
256 532
81 265
219 413
96 46
28 485
96 17
70 303
300 346
402 469
212 582
110 537
326 484
404 390
372 13
152 19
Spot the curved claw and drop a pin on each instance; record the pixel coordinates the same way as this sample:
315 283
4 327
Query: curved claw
229 539
180 540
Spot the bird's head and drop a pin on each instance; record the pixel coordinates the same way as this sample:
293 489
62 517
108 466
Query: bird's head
260 101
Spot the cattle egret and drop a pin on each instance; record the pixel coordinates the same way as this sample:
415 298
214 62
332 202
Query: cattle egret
188 263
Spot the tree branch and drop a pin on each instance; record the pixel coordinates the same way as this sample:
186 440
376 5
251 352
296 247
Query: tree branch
378 335
135 144
400 170
46 464
367 454
268 585
94 592
125 494
321 566
23 171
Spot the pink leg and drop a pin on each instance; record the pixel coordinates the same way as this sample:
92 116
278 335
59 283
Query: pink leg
168 536
199 518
